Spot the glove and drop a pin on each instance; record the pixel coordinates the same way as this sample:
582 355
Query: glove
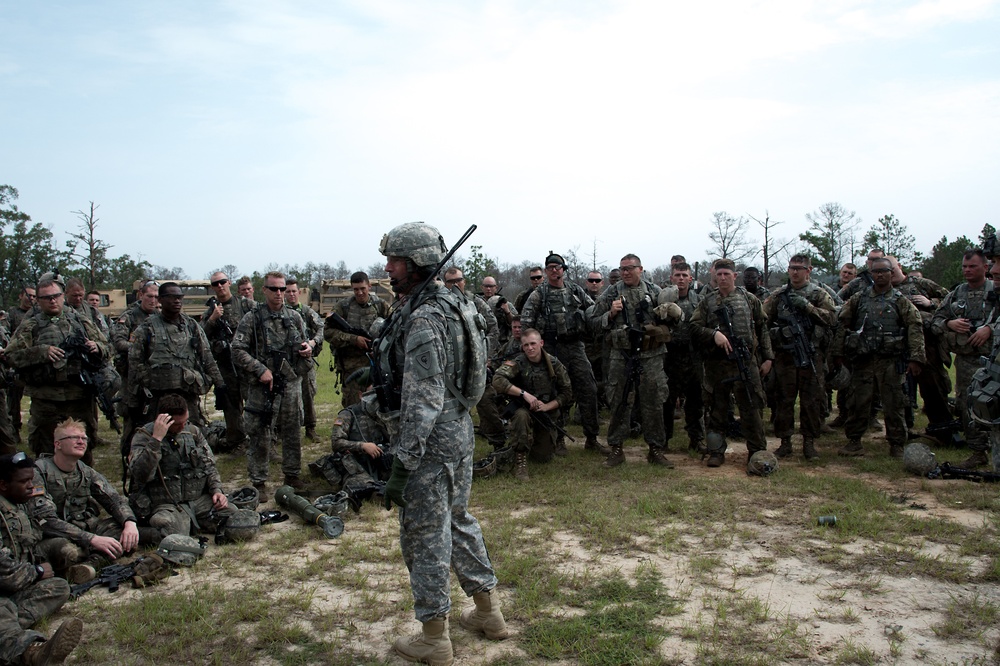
799 302
395 485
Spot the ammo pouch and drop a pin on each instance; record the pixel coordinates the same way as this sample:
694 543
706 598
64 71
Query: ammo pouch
165 378
984 395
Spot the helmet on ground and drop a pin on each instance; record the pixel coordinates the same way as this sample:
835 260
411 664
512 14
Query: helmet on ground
484 468
839 380
420 243
181 549
715 442
918 459
332 505
242 525
762 463
246 497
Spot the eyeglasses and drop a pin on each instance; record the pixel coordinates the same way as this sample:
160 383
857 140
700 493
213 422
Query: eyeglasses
454 281
219 283
629 269
51 298
270 288
536 277
881 270
73 438
798 268
167 297
553 267
595 280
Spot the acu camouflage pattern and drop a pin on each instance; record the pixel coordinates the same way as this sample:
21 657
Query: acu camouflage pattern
546 380
934 380
348 467
233 312
314 331
347 355
437 532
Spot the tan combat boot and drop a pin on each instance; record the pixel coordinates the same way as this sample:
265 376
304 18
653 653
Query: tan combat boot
785 449
485 616
615 458
521 467
56 649
592 444
431 646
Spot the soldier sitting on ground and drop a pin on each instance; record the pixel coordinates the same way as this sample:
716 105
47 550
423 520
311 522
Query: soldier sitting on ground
361 460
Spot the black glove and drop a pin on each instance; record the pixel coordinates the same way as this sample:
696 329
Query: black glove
395 485
798 301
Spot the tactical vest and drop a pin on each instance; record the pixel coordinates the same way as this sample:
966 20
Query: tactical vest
637 310
180 475
173 363
19 535
561 313
740 313
984 389
74 503
878 325
976 305
53 332
535 379
780 330
278 346
681 338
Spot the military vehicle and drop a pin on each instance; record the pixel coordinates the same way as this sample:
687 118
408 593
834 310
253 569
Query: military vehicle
331 292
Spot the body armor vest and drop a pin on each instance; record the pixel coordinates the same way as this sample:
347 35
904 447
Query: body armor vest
740 313
181 476
878 327
54 331
173 363
561 313
73 501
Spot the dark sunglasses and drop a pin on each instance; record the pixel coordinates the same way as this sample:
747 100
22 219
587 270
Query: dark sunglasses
50 297
595 280
536 277
219 283
270 288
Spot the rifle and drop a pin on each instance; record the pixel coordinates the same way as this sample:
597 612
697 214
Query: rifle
112 575
801 345
387 390
342 324
633 363
946 471
90 377
542 418
946 432
740 353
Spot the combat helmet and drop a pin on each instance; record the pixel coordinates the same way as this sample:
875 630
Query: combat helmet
918 459
762 463
242 525
332 505
420 243
246 497
181 549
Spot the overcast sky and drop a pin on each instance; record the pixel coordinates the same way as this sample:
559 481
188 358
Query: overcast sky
250 132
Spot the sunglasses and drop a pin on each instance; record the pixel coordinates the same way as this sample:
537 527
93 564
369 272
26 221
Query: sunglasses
219 283
595 280
536 277
51 298
270 288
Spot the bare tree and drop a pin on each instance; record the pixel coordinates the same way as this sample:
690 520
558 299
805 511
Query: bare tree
730 238
772 248
86 248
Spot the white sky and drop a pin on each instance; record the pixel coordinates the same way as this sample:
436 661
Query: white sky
250 132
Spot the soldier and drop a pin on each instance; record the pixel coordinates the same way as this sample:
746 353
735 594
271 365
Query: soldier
15 391
75 295
635 329
535 277
52 373
244 287
169 354
864 278
593 345
69 507
350 351
314 333
176 487
361 457
964 323
8 440
223 316
847 273
747 344
435 353
683 365
271 346
751 282
537 383
614 276
93 299
503 309
559 311
881 333
31 591
801 317
121 336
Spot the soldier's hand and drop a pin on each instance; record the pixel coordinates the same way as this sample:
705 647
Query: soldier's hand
217 312
765 368
161 426
107 545
981 336
371 448
361 342
56 353
395 486
267 378
798 301
920 300
220 501
616 307
91 346
959 325
305 351
130 537
914 368
722 342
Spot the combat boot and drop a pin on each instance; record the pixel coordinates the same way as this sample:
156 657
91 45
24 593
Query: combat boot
294 481
56 649
311 434
785 449
262 495
852 450
896 451
80 573
615 457
696 446
560 448
431 646
809 449
716 458
658 457
594 445
485 616
521 467
977 459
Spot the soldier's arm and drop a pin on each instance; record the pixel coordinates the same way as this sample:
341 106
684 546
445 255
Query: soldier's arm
505 376
939 323
914 331
94 333
340 441
317 325
822 309
207 360
423 385
846 320
137 369
119 335
599 313
242 341
529 314
145 456
110 499
492 326
764 351
701 334
15 574
21 352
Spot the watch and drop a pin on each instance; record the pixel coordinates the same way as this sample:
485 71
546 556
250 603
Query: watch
39 572
522 393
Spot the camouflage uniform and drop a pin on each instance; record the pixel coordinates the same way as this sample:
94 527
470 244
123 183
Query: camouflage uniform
349 467
490 425
934 380
638 305
86 310
559 314
8 440
547 380
70 507
16 390
979 306
121 333
685 374
856 285
434 441
166 358
793 382
220 336
53 387
26 599
267 340
347 354
173 481
891 334
722 379
503 326
314 331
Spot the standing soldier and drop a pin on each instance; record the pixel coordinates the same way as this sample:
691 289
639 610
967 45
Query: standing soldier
433 350
593 344
729 324
538 383
169 354
881 333
964 322
503 309
271 347
751 282
535 277
51 372
224 314
864 278
635 329
244 287
350 350
75 298
684 369
314 333
121 336
8 441
801 317
559 311
26 303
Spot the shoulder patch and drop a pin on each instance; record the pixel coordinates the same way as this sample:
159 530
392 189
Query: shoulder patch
510 363
338 421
